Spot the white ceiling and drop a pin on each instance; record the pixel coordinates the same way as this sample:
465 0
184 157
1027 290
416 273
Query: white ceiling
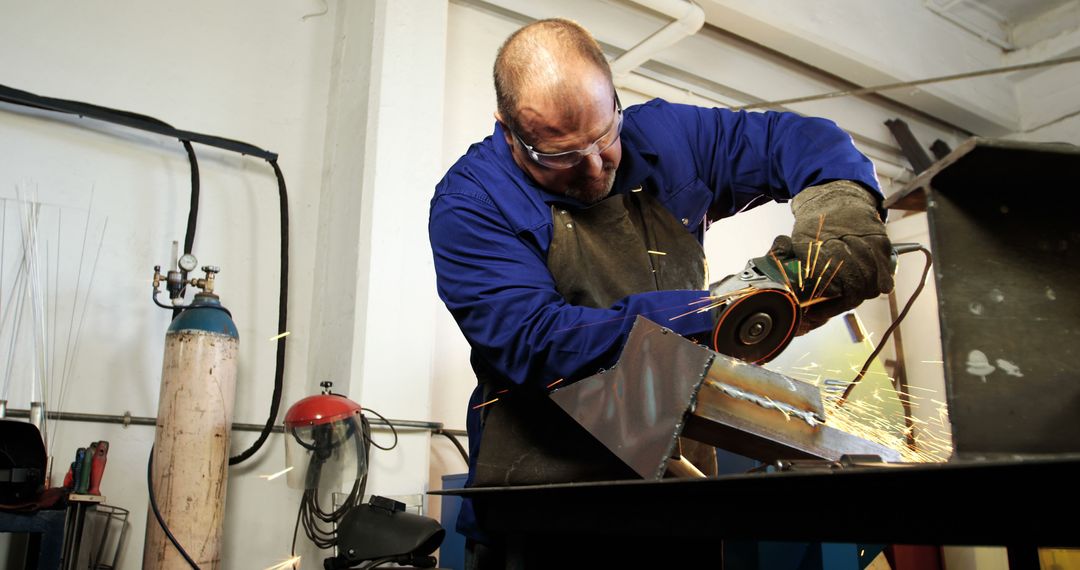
1017 11
898 41
1009 24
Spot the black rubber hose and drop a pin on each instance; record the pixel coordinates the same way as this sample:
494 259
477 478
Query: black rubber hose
457 444
283 296
193 208
157 513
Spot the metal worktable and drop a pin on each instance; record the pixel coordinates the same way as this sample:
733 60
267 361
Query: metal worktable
1023 503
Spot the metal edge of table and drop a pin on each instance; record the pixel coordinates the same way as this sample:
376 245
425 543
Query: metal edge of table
995 502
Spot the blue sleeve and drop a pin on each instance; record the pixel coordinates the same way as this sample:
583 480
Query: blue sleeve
743 156
497 285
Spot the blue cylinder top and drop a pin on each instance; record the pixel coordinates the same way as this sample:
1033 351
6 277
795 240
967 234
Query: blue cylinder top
205 314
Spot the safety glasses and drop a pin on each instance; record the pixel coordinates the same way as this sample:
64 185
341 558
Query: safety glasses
571 158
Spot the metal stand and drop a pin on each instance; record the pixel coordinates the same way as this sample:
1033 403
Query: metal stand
111 519
75 520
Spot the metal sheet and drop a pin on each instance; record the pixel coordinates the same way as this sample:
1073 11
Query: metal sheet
786 392
1007 265
745 426
657 392
1006 254
1038 167
637 409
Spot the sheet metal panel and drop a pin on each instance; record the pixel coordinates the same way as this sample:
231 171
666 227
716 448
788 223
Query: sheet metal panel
1007 265
637 409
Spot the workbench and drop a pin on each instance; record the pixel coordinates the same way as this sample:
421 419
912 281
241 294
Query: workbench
1021 504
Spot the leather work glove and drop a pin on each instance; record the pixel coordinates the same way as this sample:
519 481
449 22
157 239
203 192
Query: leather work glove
851 232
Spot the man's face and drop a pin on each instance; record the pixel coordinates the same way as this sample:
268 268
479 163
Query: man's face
584 120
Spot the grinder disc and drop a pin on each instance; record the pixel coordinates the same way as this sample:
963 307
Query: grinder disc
756 327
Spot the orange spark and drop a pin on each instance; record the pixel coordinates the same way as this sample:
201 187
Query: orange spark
491 401
823 270
835 271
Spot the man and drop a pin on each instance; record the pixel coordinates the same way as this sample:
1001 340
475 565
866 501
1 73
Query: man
542 235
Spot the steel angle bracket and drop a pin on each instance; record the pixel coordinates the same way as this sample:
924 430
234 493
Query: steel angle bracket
665 386
638 408
752 411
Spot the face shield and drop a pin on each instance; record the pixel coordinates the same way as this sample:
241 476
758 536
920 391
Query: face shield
324 444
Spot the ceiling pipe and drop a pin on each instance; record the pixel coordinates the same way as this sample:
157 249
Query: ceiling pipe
653 88
689 18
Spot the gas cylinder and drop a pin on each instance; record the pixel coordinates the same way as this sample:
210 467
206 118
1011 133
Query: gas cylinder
191 443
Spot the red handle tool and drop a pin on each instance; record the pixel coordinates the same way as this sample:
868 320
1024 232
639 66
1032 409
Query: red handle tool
97 467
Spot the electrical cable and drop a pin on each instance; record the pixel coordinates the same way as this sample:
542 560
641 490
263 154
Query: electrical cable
915 83
193 208
157 513
296 528
453 439
312 516
367 430
379 561
881 343
283 298
128 119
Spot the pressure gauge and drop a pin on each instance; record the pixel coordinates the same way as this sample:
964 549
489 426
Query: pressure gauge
187 262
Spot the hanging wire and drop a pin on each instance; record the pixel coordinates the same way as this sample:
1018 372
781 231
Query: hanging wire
367 430
915 83
453 439
896 323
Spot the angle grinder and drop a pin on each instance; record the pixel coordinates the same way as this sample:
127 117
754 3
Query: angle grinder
761 313
760 308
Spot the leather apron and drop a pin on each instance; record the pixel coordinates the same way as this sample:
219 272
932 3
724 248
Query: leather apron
598 255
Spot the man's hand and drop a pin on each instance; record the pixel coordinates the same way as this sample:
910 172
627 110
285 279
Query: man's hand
843 217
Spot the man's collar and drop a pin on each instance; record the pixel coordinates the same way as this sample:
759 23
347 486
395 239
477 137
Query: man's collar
638 158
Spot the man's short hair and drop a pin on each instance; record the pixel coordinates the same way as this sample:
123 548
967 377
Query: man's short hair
530 59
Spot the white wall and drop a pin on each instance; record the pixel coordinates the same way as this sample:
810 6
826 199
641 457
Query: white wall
246 70
266 73
375 308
